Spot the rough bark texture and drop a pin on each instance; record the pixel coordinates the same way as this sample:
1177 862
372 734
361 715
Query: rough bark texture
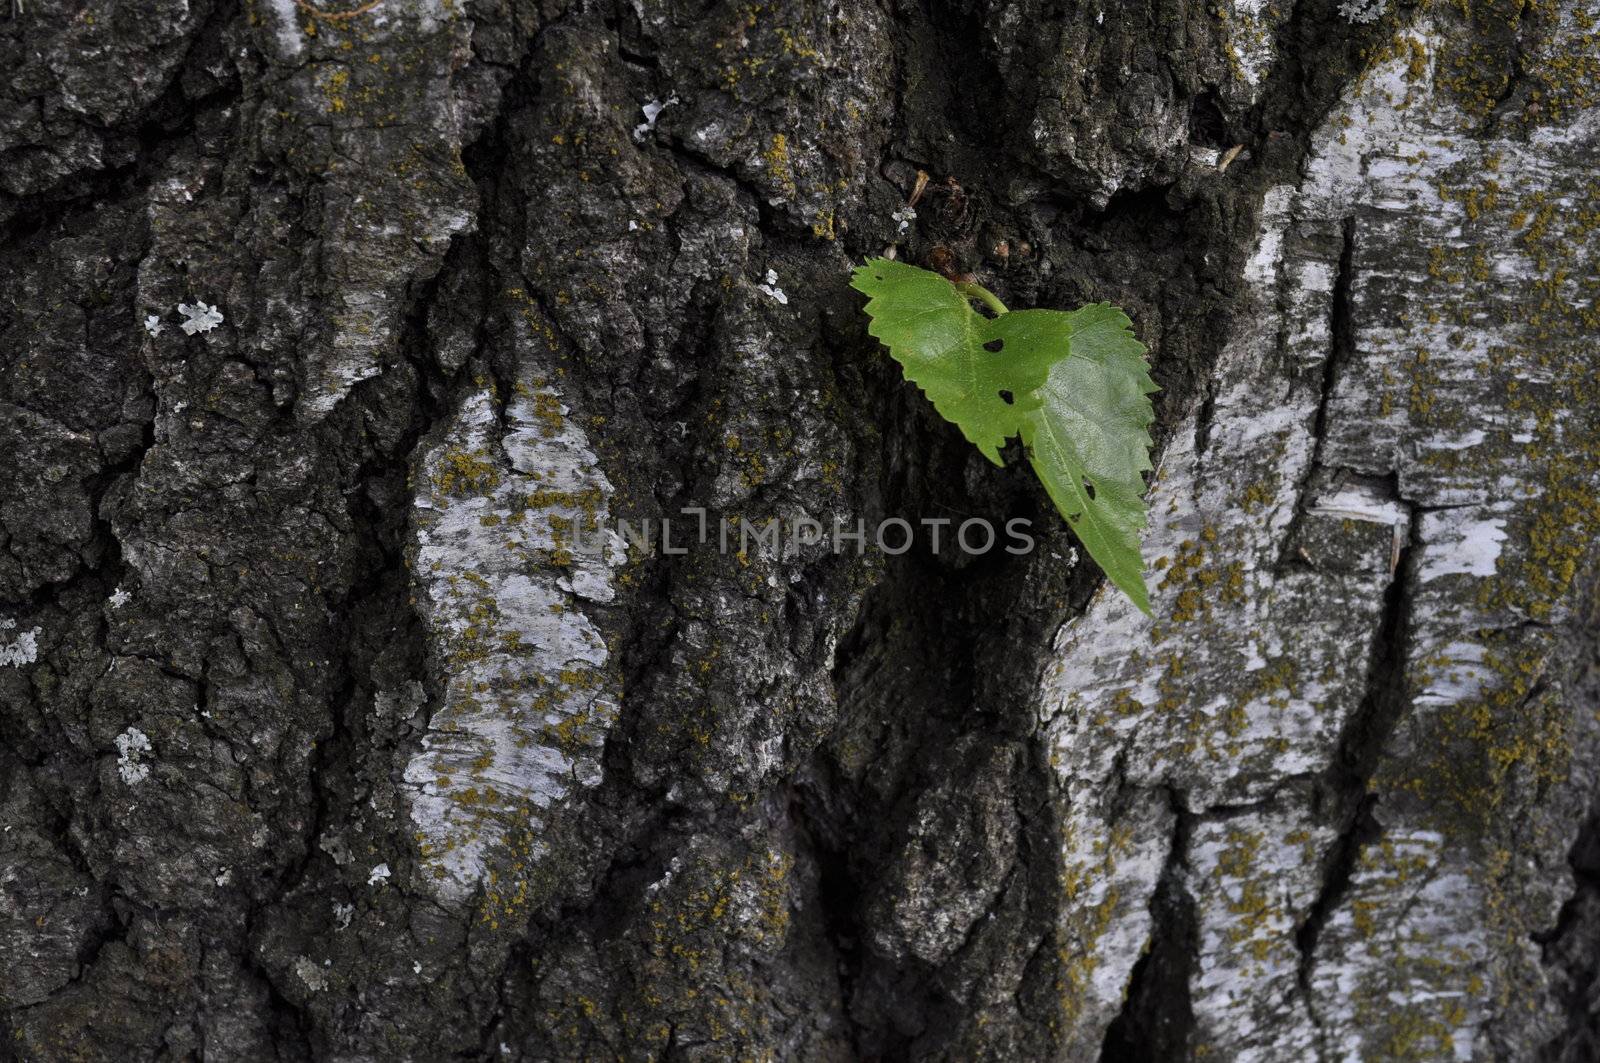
325 736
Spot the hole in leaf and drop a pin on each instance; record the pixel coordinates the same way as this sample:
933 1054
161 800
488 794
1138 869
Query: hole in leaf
1007 398
994 346
1088 489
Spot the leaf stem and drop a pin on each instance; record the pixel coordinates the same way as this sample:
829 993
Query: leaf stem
973 290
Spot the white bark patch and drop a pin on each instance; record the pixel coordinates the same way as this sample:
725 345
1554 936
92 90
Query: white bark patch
1248 31
1272 555
1103 934
1460 543
1405 918
1431 944
511 536
385 230
652 112
1274 663
1252 877
289 36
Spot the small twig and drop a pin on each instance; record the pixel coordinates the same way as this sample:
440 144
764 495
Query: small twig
1228 157
333 16
918 187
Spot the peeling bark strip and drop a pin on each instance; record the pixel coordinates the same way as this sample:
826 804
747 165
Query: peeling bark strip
324 736
1406 414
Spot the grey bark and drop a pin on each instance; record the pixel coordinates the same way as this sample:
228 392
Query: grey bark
327 735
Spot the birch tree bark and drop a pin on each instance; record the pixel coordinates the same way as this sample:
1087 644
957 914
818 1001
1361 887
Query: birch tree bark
340 723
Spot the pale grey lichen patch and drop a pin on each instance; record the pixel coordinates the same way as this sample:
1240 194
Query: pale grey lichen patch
198 317
769 287
311 973
133 745
1362 11
510 537
17 648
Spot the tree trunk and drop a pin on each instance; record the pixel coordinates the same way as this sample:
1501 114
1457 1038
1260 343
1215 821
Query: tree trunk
340 722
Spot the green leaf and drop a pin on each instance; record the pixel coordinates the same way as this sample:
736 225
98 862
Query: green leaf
1074 385
939 340
1089 441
